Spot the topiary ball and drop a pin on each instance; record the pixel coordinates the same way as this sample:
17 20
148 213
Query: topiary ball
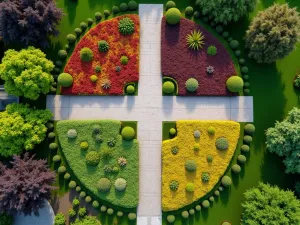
62 54
96 204
65 80
246 84
247 139
219 29
196 147
197 14
56 158
234 44
86 54
110 211
209 158
132 5
53 146
173 16
245 148
222 143
170 4
61 169
190 165
103 46
78 31
88 199
130 89
123 7
71 38
241 159
226 223
191 85
237 52
211 198
124 60
83 26
168 87
92 158
185 214
106 13
120 213
98 16
205 204
190 187
191 211
249 129
72 184
120 184
244 69
171 218
235 84
189 11
225 34
128 133
132 216
211 130
217 193
104 185
198 208
72 133
51 135
103 208
115 10
126 26
236 168
172 131
78 189
94 78
246 91
67 176
226 181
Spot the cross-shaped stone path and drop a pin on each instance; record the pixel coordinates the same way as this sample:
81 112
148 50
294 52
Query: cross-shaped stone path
150 108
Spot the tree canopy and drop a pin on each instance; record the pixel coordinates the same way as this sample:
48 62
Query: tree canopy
268 205
88 220
273 33
226 11
284 140
21 128
29 21
25 186
26 73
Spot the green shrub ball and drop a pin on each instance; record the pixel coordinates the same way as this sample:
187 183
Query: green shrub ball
225 34
82 212
237 52
241 159
53 146
72 134
226 181
71 38
244 69
65 80
185 214
168 87
198 208
88 199
115 9
246 85
205 204
130 89
103 46
236 168
242 61
78 189
235 84
211 198
106 13
171 218
123 7
170 4
120 213
103 208
246 91
110 211
56 158
217 193
247 139
104 185
191 211
190 165
51 135
246 77
245 148
96 204
226 223
86 54
83 26
190 187
197 14
191 84
98 16
78 31
126 26
234 44
62 54
249 129
120 184
92 158
219 29
211 130
172 131
173 16
132 216
72 184
132 5
82 194
61 169
67 176
209 158
222 143
189 11
128 133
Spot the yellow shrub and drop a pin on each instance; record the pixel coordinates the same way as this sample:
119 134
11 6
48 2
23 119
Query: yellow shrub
174 165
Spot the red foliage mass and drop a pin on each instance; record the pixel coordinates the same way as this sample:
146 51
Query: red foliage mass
119 45
182 63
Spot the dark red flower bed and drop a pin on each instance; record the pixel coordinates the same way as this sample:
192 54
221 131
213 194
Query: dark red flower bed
182 63
119 45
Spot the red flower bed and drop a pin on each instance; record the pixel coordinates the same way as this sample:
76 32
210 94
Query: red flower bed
182 63
119 45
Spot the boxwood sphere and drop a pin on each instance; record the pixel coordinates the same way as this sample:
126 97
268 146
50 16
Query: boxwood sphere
242 61
172 131
120 184
190 187
237 52
94 78
219 29
185 214
67 176
246 91
235 84
132 216
225 34
170 4
236 168
53 146
65 80
197 14
106 13
132 5
72 184
168 87
120 213
71 38
173 16
211 198
191 84
123 7
61 169
226 181
130 89
110 211
234 44
78 189
171 218
86 54
211 130
198 208
241 159
92 158
56 158
205 204
95 204
78 31
103 208
98 16
226 223
104 185
115 9
83 26
189 11
192 211
247 139
88 199
222 143
217 193
62 54
249 129
190 165
245 148
128 133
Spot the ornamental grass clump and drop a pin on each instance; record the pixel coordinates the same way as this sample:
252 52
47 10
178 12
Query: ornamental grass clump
195 40
122 162
106 84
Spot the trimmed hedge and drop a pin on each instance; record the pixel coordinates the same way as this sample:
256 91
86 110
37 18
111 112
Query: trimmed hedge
235 84
65 80
168 87
170 4
226 181
128 133
173 16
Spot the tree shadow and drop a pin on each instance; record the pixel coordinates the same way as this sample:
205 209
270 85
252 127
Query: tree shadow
70 6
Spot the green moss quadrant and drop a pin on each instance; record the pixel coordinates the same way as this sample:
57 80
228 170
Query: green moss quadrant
89 175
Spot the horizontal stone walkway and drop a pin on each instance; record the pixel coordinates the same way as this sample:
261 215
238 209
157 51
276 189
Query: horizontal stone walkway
150 108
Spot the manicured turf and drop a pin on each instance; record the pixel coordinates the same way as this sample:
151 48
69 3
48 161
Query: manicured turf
90 175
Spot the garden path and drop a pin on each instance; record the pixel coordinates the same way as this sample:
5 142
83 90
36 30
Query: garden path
150 108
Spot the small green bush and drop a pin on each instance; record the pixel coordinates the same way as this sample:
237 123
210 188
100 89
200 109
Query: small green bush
249 129
189 11
245 148
221 188
82 212
247 139
123 7
96 204
219 29
75 202
104 185
56 158
197 134
196 147
244 69
130 89
230 39
106 13
226 223
59 219
120 214
62 54
53 146
120 184
110 211
222 143
84 145
173 16
51 135
205 177
246 91
65 80
190 187
297 81
78 31
235 84
128 133
67 176
234 44
246 85
211 130
168 87
78 188
97 69
132 216
174 184
82 194
241 159
71 38
212 50
88 199
185 214
191 211
72 213
124 60
171 218
190 165
225 34
217 193
83 26
61 169
170 4
209 158
236 168
103 46
92 158
198 208
237 52
242 61
126 26
115 10
86 54
226 181
172 131
211 198
72 184
197 14
132 5
103 208
174 150
205 204
191 84
98 16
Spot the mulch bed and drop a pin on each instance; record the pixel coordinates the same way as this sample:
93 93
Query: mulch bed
119 45
182 63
